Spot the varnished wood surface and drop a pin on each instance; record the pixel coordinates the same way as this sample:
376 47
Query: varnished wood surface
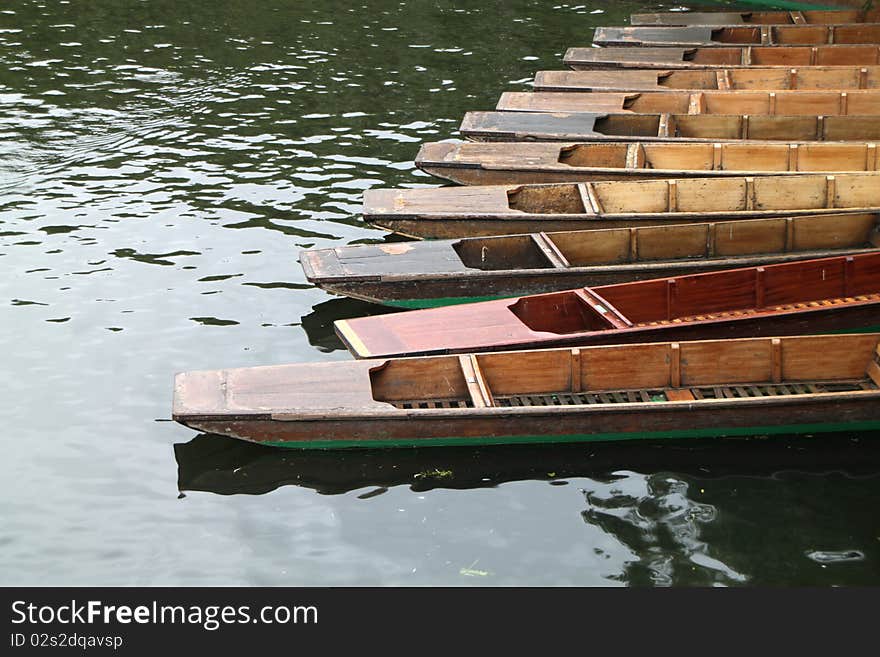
804 103
557 126
663 386
713 35
801 297
721 57
811 78
808 17
520 162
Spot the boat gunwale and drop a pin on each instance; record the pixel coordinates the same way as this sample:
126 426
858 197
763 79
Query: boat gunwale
648 265
537 411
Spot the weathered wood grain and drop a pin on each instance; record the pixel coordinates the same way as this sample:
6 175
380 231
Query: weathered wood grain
807 103
834 78
506 209
547 126
518 162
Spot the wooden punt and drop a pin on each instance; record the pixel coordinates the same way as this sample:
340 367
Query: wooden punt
444 212
728 57
807 296
443 272
806 103
803 384
809 17
718 35
812 78
506 163
586 126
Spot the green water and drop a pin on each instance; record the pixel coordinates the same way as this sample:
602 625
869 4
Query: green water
161 165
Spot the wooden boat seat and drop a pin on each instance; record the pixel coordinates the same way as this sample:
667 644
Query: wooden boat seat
837 301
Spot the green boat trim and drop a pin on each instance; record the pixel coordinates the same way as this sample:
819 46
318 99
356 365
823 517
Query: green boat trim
827 427
417 304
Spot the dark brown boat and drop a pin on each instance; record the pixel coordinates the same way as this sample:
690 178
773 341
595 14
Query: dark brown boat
504 163
584 126
718 35
809 296
443 212
841 78
727 57
442 272
668 389
808 17
784 103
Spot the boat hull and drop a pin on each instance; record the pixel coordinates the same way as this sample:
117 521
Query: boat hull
672 420
432 228
438 292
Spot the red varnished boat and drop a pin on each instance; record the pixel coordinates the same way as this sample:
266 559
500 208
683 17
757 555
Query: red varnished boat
810 296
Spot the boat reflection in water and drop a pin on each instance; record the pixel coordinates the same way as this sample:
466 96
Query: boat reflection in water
227 466
713 512
318 324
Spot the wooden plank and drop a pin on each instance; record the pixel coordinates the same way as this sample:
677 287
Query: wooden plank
603 307
776 351
476 384
550 250
632 156
590 198
679 395
675 365
576 379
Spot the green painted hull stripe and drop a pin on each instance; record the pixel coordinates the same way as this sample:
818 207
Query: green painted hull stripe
571 438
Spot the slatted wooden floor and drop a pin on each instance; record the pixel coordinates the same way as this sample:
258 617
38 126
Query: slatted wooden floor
653 394
729 314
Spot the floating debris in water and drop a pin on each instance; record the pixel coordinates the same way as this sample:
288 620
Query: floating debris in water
830 556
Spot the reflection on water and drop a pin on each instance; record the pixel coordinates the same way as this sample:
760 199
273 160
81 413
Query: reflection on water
658 520
227 466
318 324
667 512
162 164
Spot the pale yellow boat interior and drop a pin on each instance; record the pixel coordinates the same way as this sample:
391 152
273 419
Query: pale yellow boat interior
792 55
779 78
810 103
732 194
644 373
723 157
734 126
618 246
